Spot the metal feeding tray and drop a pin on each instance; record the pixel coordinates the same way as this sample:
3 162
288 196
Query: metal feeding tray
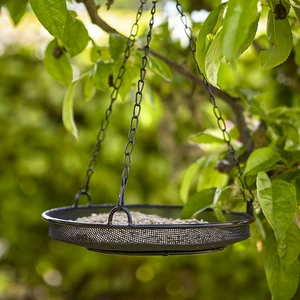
131 239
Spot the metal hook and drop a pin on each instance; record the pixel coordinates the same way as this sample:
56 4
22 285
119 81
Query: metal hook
120 208
79 194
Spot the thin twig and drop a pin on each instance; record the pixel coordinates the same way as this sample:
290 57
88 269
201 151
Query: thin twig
234 103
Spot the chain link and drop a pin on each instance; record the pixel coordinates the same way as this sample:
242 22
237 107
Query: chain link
134 122
216 110
84 188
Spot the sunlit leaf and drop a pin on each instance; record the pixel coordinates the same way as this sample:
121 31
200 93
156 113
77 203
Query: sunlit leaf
295 3
280 40
57 64
68 114
205 138
52 14
297 12
187 181
282 279
89 90
207 32
17 9
261 160
278 202
239 27
75 37
249 38
217 204
210 177
160 68
213 59
197 202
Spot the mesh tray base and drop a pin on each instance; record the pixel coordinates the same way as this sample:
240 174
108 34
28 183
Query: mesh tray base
147 239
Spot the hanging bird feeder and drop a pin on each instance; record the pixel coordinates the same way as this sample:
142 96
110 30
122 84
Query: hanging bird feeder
170 237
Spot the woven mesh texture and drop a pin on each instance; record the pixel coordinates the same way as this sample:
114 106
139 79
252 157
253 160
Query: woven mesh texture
139 239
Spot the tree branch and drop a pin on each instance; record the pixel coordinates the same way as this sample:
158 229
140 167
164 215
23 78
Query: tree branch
234 103
92 8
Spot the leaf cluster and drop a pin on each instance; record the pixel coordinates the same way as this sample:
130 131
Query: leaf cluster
232 27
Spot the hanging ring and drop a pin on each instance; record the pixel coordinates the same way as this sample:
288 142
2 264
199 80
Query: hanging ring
79 194
119 208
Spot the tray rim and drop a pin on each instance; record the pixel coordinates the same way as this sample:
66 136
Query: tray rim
245 218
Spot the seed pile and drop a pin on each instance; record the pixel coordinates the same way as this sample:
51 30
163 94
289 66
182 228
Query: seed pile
138 218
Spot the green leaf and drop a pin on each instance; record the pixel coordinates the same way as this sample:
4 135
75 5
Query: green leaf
283 112
290 176
75 37
127 80
261 160
260 229
117 44
52 14
210 177
101 73
99 53
126 85
89 90
217 204
297 12
239 24
207 33
289 245
278 202
213 59
68 115
17 9
187 181
282 279
247 41
205 138
280 40
291 133
295 3
198 202
160 68
58 66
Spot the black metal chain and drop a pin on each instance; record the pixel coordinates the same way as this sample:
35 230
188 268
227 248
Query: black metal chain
136 110
216 110
84 189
